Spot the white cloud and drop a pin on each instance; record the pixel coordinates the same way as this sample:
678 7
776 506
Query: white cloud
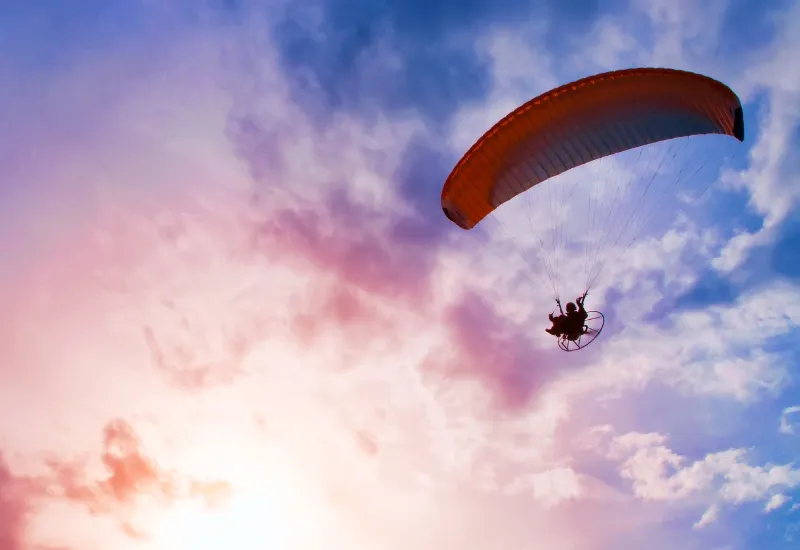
786 426
657 473
717 351
709 516
777 501
686 31
609 44
771 177
550 487
623 445
520 68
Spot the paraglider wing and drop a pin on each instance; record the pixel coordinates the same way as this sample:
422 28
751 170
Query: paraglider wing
583 121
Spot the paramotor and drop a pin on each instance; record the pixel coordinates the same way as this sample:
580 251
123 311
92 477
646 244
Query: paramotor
581 223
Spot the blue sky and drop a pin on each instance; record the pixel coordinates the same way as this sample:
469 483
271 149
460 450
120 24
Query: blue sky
223 219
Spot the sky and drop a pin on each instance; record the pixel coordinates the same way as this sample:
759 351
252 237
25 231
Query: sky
236 317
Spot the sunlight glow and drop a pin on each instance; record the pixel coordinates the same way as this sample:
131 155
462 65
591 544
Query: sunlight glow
277 513
247 522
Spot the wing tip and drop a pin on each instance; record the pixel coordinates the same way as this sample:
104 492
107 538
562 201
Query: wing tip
455 215
738 124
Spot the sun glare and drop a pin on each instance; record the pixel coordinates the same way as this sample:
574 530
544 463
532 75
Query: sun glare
275 514
247 521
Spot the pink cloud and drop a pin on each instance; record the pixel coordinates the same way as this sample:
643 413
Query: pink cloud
487 347
345 309
130 476
13 510
347 240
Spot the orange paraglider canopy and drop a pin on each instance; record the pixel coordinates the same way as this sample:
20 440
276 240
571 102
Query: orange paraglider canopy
583 121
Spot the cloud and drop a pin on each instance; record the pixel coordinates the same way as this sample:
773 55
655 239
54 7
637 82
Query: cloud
130 473
775 502
488 348
771 177
657 473
550 487
712 352
243 244
133 481
709 516
13 510
785 426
